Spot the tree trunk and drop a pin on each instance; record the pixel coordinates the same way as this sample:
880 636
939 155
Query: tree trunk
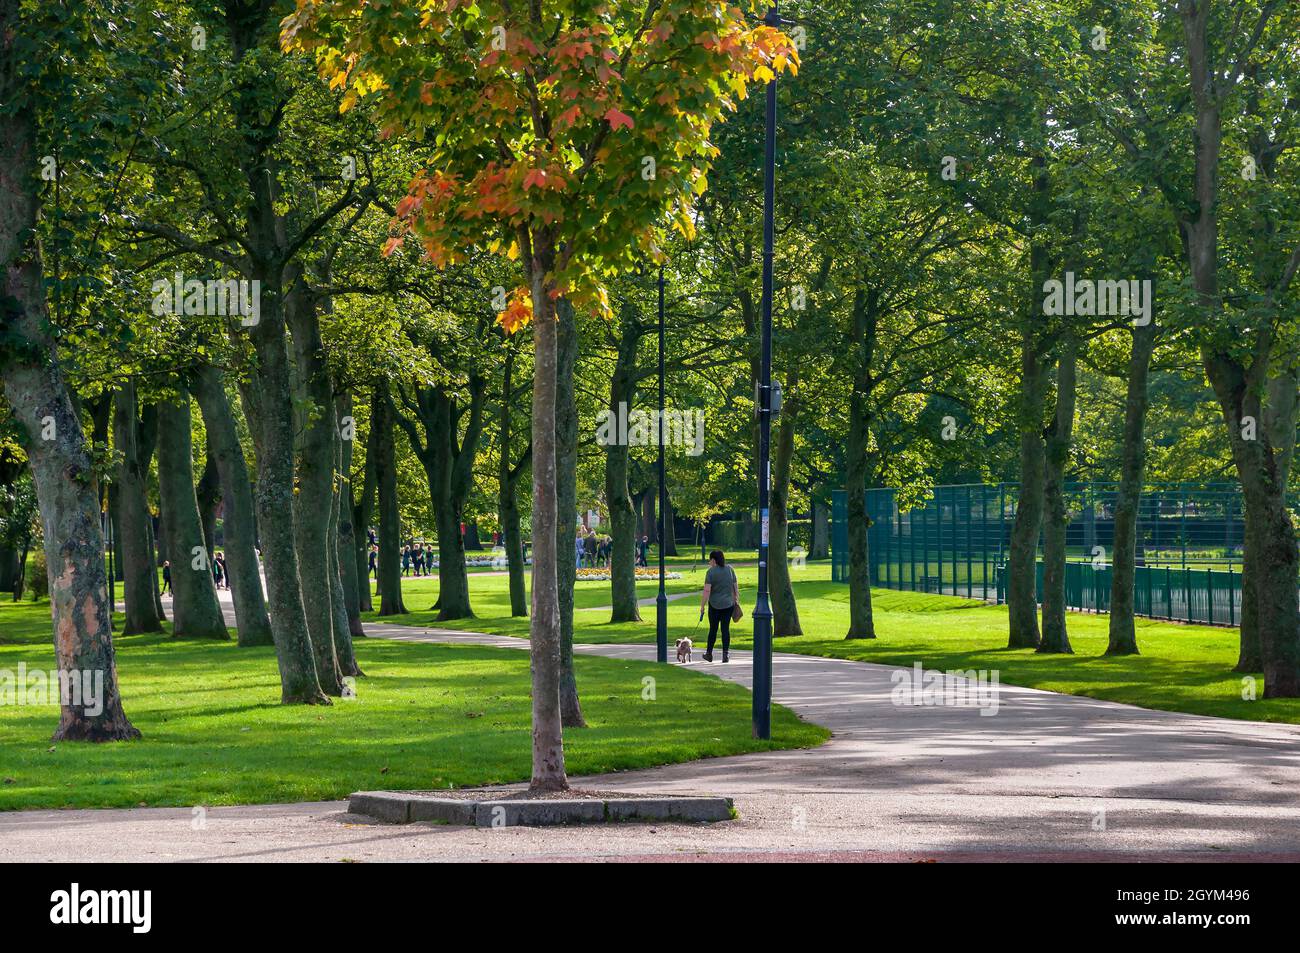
268 403
148 441
669 542
470 538
544 629
1123 634
785 611
362 512
61 468
649 525
618 498
1022 569
390 530
314 500
453 576
1271 556
115 520
196 612
349 569
1280 426
566 502
208 493
821 529
139 574
508 494
243 574
862 624
448 461
1060 435
340 556
8 567
1270 564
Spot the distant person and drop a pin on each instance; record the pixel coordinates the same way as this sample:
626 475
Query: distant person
579 545
589 547
219 570
406 560
643 551
721 596
372 566
167 576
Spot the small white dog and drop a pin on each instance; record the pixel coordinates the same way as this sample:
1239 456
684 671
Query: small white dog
683 650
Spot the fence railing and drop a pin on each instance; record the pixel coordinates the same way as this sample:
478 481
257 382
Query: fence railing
956 542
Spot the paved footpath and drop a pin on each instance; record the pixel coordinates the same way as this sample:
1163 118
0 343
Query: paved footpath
1048 777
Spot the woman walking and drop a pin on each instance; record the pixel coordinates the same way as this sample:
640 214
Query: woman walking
721 596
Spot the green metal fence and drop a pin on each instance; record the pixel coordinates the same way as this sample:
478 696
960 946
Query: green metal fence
956 542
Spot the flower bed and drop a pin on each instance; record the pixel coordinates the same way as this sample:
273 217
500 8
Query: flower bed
496 562
597 575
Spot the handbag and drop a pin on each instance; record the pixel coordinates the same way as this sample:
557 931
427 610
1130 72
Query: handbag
737 613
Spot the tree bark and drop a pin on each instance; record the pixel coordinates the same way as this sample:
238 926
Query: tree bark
649 525
821 528
566 501
244 575
1123 634
340 557
346 541
61 468
315 496
390 531
862 623
508 477
208 493
268 405
1060 433
139 574
618 497
196 612
544 629
670 528
1022 569
362 511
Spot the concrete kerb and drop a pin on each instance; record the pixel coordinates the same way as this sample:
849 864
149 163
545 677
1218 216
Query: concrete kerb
396 807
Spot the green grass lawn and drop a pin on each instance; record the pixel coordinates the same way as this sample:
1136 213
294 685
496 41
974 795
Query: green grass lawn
426 717
1181 668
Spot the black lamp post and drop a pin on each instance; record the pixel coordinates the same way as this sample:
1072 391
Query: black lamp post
762 715
661 603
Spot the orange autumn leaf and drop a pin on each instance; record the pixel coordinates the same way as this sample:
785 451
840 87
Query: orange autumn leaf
518 312
570 116
616 119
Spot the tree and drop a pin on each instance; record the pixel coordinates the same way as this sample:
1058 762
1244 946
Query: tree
34 381
196 613
539 121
